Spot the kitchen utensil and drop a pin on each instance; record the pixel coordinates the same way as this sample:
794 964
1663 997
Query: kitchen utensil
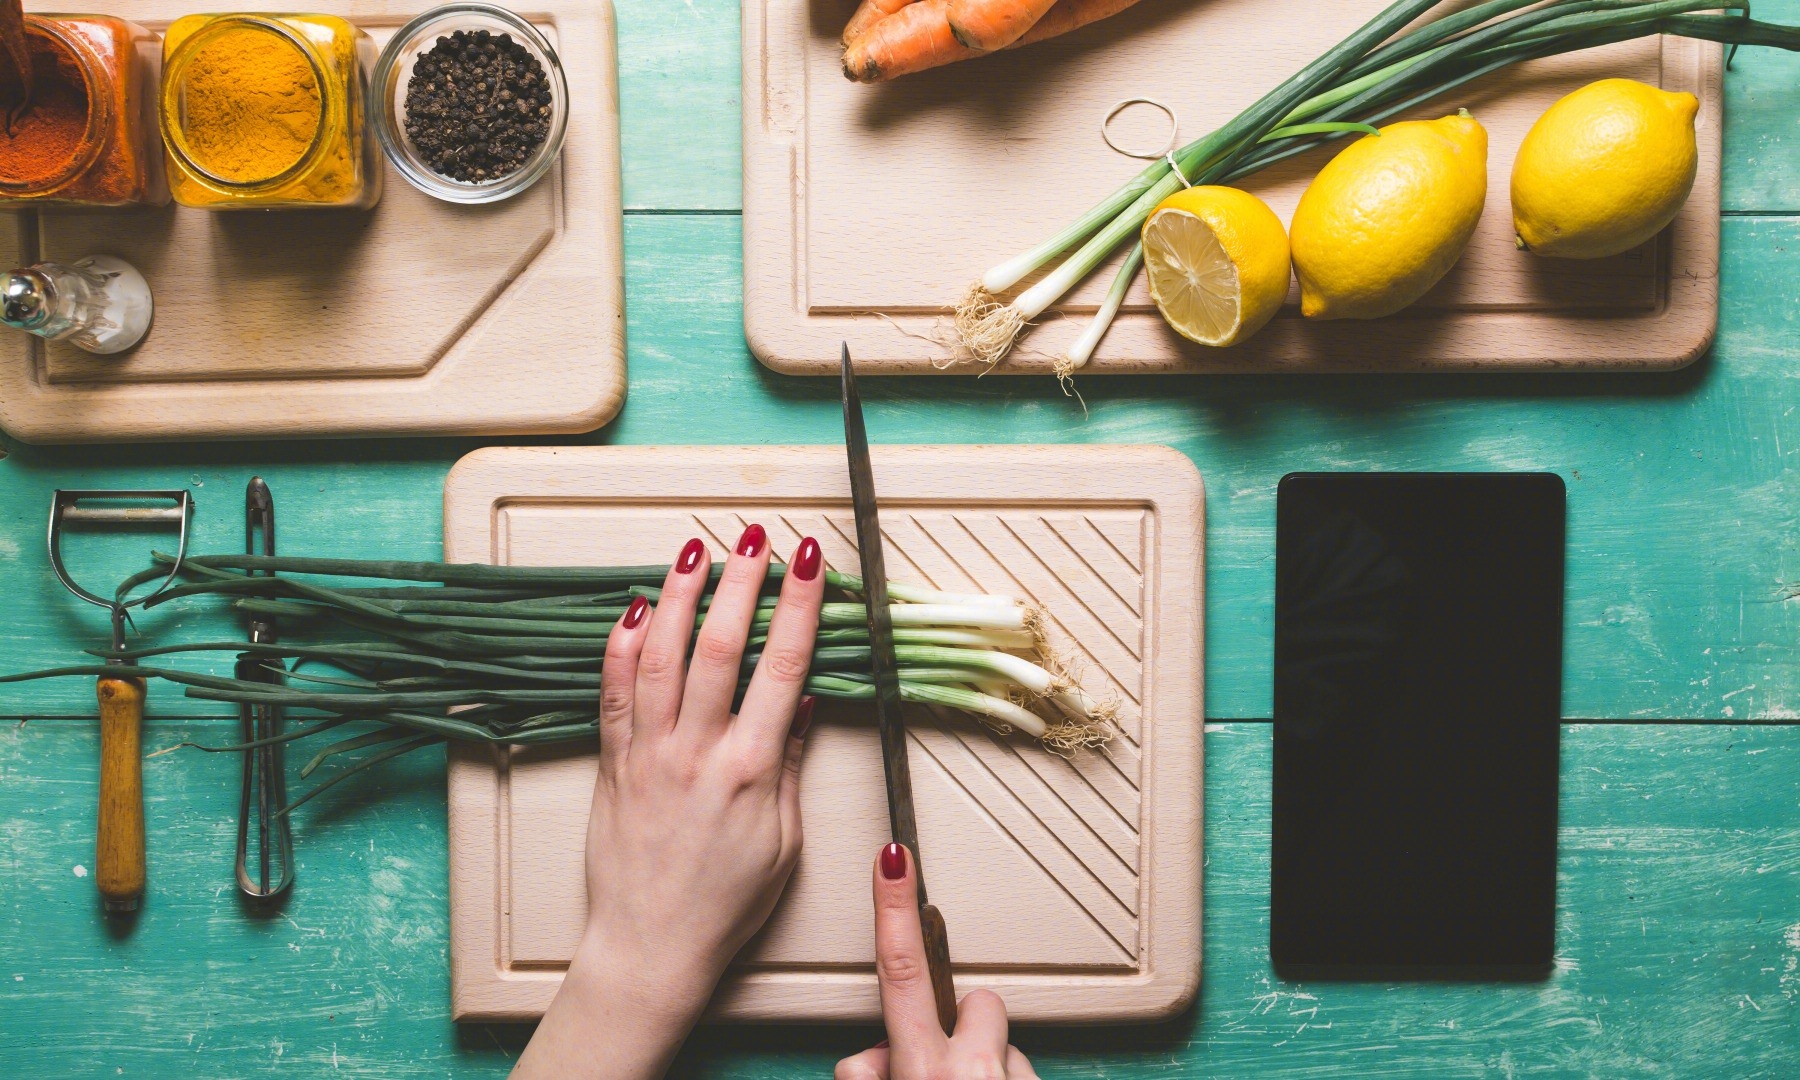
889 717
119 832
265 779
100 304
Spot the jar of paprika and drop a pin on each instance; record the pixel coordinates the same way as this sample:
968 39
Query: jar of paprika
86 137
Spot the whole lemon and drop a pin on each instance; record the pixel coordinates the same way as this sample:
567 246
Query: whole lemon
1217 260
1388 217
1604 169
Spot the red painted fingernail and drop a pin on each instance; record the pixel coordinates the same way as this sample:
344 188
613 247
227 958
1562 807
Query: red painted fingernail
803 718
807 559
882 1045
893 862
635 613
690 556
751 543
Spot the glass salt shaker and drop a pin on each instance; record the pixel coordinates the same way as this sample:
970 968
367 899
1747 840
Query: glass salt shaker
99 303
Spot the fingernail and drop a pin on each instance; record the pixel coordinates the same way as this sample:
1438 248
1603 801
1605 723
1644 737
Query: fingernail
807 559
882 1045
635 613
690 556
751 542
802 717
893 862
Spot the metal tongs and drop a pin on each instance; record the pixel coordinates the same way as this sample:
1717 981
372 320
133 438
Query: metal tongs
265 780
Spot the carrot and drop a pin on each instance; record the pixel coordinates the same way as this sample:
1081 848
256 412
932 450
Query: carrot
918 36
994 24
912 39
1070 15
868 13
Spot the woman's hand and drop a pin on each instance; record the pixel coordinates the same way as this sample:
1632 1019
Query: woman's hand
696 817
916 1046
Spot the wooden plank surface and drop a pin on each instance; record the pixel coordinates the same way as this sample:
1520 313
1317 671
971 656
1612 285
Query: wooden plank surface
1103 848
418 316
1683 532
869 209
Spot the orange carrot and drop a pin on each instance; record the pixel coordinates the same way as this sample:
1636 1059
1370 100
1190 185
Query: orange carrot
912 39
994 24
1069 15
868 13
918 36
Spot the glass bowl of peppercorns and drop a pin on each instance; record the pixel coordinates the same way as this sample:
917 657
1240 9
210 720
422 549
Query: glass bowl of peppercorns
469 103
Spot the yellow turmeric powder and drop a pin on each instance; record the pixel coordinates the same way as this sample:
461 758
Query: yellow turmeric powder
264 111
251 103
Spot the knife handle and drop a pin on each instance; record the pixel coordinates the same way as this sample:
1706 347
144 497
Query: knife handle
937 960
119 839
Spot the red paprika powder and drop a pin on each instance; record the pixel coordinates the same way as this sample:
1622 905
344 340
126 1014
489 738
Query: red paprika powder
81 141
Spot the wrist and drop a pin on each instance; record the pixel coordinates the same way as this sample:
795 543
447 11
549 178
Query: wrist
667 986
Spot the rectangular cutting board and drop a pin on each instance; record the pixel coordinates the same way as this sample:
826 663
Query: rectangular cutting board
1070 886
868 210
418 317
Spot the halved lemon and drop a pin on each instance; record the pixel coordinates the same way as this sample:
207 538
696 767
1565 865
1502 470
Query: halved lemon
1218 263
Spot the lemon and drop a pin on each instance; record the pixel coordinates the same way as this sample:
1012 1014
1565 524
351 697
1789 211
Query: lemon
1604 169
1388 217
1217 259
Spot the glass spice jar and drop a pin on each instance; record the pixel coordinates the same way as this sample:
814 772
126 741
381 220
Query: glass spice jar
267 111
87 136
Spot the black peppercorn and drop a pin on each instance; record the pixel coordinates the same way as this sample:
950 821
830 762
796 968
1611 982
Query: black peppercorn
477 106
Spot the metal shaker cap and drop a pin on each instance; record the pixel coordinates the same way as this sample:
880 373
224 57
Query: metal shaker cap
25 297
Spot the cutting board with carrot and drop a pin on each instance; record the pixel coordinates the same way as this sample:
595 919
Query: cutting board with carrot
870 208
1070 885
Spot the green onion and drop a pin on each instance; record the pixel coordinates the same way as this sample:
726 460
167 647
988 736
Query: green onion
1378 72
513 655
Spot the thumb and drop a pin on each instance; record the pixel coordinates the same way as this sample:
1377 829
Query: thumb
787 795
908 1005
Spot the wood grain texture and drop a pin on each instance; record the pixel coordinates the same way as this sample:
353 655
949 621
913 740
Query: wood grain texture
1102 849
418 317
1677 934
868 210
119 832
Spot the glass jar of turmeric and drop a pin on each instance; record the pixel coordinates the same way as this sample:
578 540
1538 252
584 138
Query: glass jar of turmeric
265 111
85 136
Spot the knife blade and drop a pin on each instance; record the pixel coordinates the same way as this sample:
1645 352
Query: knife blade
889 718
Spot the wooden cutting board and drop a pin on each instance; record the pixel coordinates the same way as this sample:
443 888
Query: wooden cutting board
1070 886
417 317
869 209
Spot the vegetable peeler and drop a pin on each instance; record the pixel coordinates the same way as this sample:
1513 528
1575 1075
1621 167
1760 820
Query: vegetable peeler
265 780
119 832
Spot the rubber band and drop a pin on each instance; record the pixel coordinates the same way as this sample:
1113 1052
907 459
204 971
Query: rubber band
1167 153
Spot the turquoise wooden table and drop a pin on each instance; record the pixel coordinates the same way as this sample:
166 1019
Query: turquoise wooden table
1678 939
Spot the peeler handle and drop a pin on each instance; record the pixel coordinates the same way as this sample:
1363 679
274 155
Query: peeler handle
119 851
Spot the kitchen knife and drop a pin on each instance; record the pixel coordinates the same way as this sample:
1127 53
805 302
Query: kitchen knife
888 716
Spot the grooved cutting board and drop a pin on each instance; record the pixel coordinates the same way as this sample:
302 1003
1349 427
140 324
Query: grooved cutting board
869 209
417 317
1070 886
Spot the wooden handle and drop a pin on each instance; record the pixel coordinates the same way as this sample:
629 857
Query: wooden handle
937 959
119 850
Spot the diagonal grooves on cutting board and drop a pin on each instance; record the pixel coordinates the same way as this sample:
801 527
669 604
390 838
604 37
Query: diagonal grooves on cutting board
1118 837
1085 598
1101 866
1046 578
1115 781
1078 541
1037 854
927 533
1135 565
1111 814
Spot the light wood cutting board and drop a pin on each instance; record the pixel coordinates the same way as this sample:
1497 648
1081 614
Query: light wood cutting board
1070 886
417 317
869 209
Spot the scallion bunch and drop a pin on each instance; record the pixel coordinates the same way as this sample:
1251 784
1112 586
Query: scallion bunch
1372 76
513 655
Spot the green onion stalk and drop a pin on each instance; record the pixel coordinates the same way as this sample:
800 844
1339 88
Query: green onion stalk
509 655
1377 73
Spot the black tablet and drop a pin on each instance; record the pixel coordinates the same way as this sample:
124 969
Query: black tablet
1418 676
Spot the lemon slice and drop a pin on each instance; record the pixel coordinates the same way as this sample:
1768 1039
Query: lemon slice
1217 260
